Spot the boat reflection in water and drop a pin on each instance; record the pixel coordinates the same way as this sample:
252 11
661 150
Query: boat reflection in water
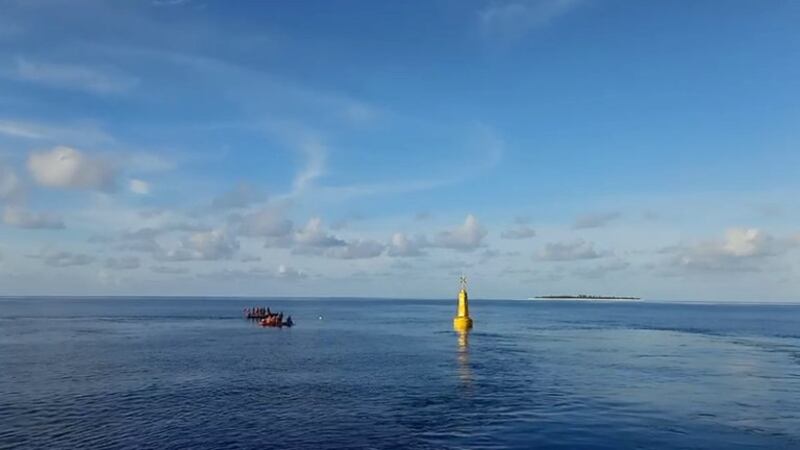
464 369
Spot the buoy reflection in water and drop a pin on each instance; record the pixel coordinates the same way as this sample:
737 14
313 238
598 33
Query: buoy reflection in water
464 369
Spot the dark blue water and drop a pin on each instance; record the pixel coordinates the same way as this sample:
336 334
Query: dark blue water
178 373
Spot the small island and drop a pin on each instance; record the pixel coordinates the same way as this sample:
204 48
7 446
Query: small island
585 297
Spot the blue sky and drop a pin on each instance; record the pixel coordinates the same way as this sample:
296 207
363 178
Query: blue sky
204 147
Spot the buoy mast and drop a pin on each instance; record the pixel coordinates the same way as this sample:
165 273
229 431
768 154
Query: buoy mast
462 321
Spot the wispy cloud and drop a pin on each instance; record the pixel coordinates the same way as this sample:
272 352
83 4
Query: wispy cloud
74 76
76 133
307 143
315 153
19 130
171 2
488 147
252 88
513 19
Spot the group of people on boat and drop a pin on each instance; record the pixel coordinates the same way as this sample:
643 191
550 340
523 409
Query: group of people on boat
268 318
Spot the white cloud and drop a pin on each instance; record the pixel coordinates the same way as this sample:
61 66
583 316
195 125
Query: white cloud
65 167
282 272
268 222
205 245
215 244
356 249
312 239
18 217
402 245
520 232
123 263
241 196
312 235
289 273
467 236
139 187
569 251
513 19
64 259
595 220
741 249
143 240
71 76
748 242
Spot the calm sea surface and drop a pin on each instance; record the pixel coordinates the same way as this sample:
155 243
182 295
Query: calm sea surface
180 373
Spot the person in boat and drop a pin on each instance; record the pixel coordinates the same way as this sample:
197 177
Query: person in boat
289 321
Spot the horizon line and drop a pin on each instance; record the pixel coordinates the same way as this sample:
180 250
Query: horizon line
534 300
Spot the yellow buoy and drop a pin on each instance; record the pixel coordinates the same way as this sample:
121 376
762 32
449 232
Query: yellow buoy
462 321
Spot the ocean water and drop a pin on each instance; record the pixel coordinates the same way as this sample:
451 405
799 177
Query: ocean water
192 373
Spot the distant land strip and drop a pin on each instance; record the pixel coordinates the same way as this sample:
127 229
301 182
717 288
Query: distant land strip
588 297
